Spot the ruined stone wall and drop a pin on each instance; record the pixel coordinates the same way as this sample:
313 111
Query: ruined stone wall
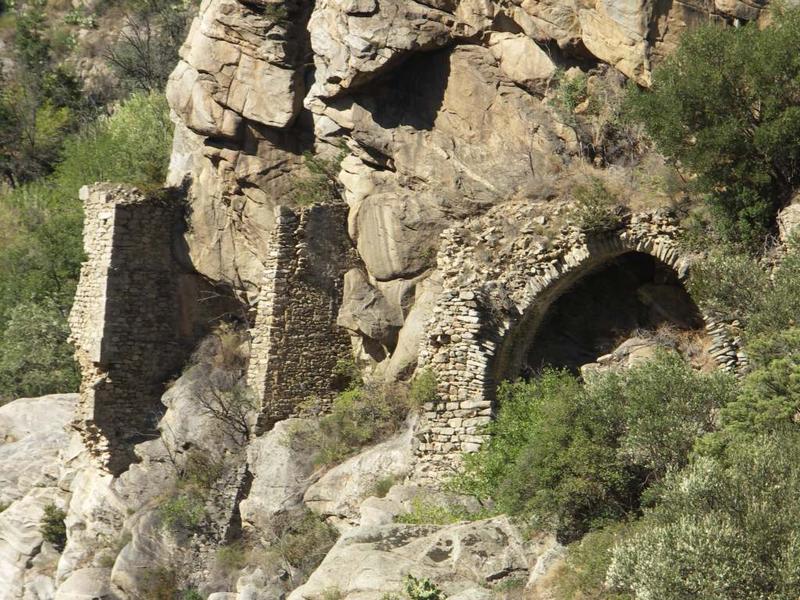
296 342
125 319
490 310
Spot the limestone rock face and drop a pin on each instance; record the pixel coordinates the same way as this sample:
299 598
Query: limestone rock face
21 542
339 493
280 475
443 108
368 562
32 432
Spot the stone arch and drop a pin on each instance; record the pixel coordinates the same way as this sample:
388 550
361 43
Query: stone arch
481 320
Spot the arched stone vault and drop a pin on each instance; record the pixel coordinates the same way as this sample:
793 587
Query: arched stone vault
488 311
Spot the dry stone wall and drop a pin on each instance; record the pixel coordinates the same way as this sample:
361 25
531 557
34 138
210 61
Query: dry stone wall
126 316
490 310
296 341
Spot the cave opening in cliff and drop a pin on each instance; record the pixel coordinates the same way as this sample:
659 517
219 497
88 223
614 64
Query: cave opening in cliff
633 295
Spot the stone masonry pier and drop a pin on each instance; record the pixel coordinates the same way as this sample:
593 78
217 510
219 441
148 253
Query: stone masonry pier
296 342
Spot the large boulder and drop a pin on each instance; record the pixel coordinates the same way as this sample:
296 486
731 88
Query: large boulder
280 474
369 562
21 538
339 493
32 433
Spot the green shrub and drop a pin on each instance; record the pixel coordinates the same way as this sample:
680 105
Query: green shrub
52 526
192 594
571 91
184 512
723 528
359 416
301 541
716 107
40 238
35 358
583 573
729 284
768 400
320 185
159 584
779 308
575 457
423 389
231 558
595 208
383 485
433 513
422 589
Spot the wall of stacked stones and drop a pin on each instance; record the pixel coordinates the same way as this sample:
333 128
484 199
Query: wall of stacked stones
295 341
480 329
126 318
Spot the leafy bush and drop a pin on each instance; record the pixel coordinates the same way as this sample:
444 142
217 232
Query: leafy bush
574 457
422 589
595 207
359 416
320 185
583 573
185 508
436 513
768 400
184 512
35 358
723 529
716 106
52 526
301 541
423 389
728 284
737 286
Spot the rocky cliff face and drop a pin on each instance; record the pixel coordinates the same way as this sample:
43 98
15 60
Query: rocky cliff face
444 108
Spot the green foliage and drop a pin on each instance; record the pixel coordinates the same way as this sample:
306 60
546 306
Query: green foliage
231 558
779 307
422 589
423 389
185 509
571 91
728 283
723 529
359 416
737 286
725 105
184 512
52 526
192 594
574 457
383 485
583 574
40 239
768 400
35 359
320 185
595 207
159 584
302 541
435 513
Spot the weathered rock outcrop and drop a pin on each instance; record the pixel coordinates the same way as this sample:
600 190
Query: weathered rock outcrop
444 108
